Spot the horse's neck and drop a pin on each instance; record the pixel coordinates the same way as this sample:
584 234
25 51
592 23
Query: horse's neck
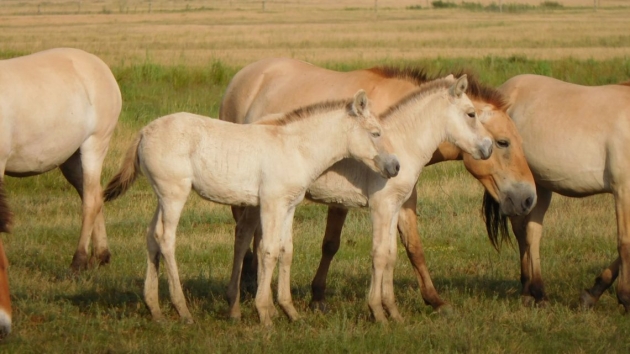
418 127
321 140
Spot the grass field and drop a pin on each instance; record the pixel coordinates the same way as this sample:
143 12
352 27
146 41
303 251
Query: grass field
175 59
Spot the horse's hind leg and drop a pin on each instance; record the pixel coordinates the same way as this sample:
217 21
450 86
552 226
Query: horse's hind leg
83 171
528 231
5 299
590 296
408 230
247 222
154 233
622 208
172 203
250 262
330 246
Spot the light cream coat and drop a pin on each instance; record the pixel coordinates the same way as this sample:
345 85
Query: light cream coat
437 111
268 166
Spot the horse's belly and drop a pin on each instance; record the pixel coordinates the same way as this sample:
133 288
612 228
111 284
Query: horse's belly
39 158
571 181
226 193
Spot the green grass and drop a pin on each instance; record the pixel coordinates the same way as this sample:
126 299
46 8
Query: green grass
102 310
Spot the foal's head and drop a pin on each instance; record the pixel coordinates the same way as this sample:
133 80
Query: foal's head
464 129
366 140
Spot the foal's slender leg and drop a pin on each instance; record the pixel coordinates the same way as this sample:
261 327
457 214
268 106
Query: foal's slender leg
330 246
154 233
622 208
284 267
408 230
247 222
528 231
90 157
384 228
590 296
172 203
389 300
273 219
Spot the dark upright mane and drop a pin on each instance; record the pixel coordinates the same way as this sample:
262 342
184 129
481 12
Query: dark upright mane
306 111
625 83
419 76
424 89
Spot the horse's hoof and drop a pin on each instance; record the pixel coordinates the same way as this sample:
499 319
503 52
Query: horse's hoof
320 306
541 304
187 320
528 300
587 301
103 258
446 310
79 262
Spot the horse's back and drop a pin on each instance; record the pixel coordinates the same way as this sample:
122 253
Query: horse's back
50 103
570 132
220 160
281 84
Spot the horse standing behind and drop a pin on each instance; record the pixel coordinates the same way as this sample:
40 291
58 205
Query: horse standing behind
58 108
576 141
435 112
269 85
267 165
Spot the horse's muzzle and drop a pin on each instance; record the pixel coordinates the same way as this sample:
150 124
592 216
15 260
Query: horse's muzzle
390 166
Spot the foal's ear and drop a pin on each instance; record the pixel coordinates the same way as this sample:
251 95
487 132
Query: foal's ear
459 86
360 103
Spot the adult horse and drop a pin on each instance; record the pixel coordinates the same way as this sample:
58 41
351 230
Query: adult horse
269 86
58 108
419 121
266 166
575 142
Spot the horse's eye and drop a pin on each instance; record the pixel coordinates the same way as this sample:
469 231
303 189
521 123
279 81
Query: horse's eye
472 114
376 134
503 143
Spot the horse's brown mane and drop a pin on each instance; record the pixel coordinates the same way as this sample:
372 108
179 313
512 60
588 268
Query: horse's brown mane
476 90
306 111
423 89
625 83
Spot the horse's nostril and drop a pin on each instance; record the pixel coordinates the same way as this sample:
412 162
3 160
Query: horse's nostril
527 203
397 167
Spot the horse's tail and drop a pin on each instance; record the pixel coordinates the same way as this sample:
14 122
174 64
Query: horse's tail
496 223
6 216
128 173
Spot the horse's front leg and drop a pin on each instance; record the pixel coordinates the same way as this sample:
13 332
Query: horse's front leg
248 221
272 218
284 268
330 246
622 208
528 231
381 294
408 230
